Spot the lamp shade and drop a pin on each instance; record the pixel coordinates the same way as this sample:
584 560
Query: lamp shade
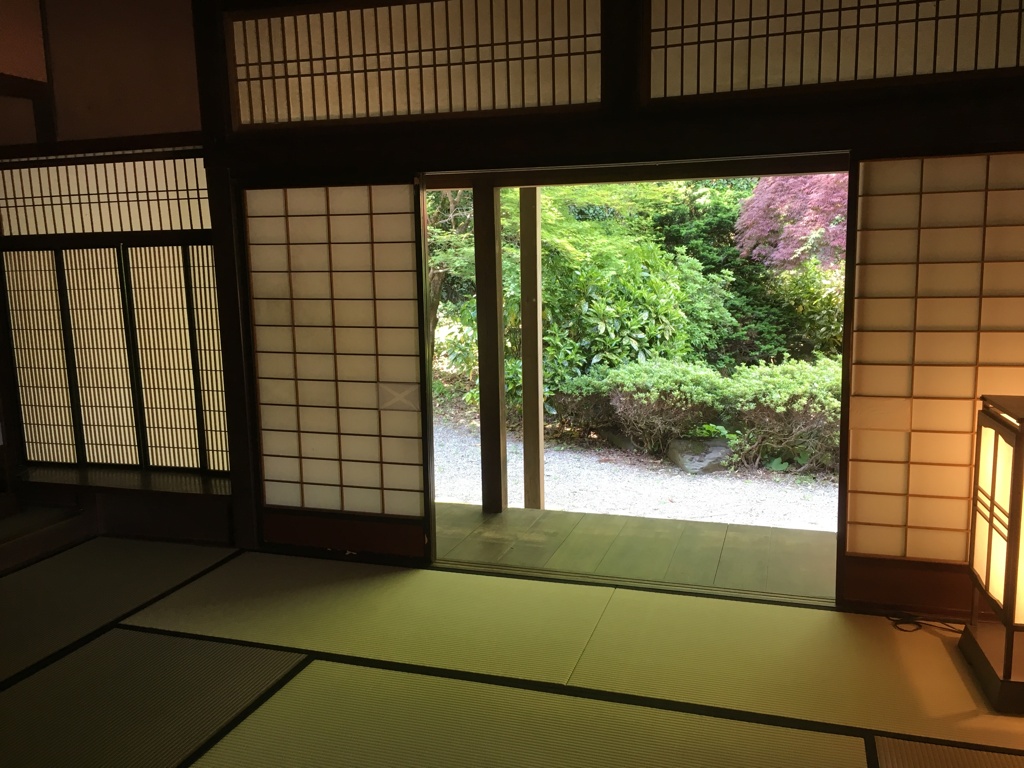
989 641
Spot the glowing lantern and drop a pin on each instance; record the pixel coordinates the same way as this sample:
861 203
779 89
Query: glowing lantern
997 615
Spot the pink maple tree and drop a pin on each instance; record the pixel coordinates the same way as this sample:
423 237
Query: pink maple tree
789 219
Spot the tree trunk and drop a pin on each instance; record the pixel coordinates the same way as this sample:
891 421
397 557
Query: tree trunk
435 277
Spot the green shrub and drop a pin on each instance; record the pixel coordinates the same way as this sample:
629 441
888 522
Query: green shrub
659 400
786 415
581 404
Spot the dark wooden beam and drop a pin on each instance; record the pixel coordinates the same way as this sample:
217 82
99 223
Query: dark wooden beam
238 356
22 87
10 405
46 154
212 70
938 116
533 351
45 106
624 64
426 372
227 215
846 384
491 344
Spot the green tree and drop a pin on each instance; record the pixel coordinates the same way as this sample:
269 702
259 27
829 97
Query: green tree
781 309
612 294
451 272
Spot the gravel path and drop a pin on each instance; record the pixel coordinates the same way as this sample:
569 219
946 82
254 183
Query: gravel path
609 481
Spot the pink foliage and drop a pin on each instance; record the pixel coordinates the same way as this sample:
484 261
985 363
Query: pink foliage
790 218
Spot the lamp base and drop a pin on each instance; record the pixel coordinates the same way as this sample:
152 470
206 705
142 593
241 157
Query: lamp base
983 648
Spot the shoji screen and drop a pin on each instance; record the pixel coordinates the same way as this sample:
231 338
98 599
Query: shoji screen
101 356
417 58
124 196
165 338
207 357
939 321
39 352
336 322
122 343
715 46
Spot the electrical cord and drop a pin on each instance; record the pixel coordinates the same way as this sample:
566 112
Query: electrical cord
907 622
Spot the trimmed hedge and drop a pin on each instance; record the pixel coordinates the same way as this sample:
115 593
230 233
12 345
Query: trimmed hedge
659 400
785 416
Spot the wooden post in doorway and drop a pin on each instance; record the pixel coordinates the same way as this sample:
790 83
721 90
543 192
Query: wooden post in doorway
533 360
491 343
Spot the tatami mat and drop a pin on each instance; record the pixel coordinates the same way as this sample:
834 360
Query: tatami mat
795 662
132 699
897 753
53 603
336 714
512 627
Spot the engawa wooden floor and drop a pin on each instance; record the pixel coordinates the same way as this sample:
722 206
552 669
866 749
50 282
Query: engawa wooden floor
131 653
743 558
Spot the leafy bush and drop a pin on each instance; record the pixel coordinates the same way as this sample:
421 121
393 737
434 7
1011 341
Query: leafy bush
582 404
813 293
659 400
785 415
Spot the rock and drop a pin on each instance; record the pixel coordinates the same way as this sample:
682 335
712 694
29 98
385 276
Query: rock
698 455
619 440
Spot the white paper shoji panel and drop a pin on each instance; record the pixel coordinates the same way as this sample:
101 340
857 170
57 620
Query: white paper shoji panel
334 282
716 46
43 393
130 196
211 361
417 58
165 356
101 356
938 321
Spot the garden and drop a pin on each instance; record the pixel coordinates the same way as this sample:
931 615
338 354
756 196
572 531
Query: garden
677 309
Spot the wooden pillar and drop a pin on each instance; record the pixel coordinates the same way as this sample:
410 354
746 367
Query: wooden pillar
491 342
533 354
230 264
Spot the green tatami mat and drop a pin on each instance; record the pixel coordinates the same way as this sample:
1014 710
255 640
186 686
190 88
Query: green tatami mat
336 714
132 699
817 665
512 627
59 600
897 753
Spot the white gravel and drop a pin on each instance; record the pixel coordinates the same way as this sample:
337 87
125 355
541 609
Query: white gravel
606 480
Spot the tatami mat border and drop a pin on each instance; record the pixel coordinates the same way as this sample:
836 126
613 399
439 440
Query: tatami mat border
571 691
262 699
73 646
615 582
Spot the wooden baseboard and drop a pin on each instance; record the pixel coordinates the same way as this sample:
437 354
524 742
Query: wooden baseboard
370 538
44 542
920 587
194 518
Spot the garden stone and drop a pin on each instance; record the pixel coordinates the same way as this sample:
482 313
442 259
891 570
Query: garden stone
700 455
619 440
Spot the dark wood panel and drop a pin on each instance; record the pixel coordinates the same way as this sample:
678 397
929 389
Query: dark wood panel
51 150
165 516
122 68
22 87
364 538
974 113
490 324
44 542
880 584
